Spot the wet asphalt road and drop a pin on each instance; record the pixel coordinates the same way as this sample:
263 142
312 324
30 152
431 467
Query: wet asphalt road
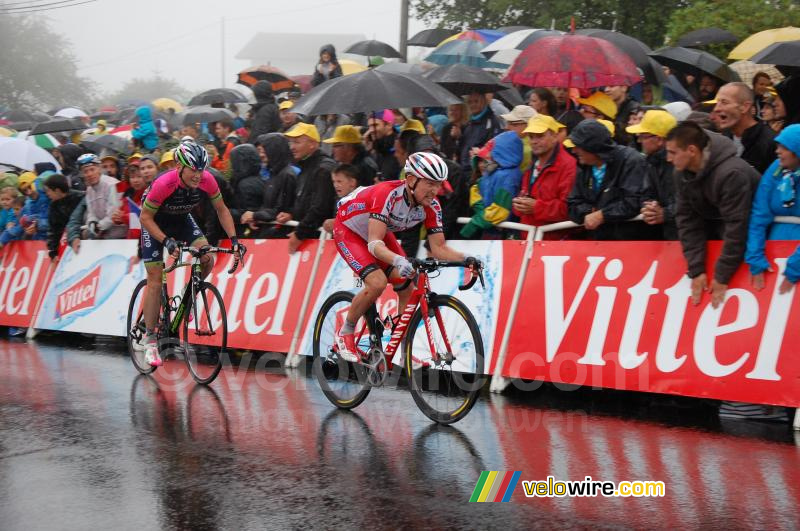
86 443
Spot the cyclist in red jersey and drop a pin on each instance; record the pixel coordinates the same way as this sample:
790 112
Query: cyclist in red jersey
366 221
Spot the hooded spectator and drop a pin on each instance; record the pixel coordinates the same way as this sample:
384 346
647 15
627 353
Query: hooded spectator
266 118
63 201
279 190
145 132
777 195
608 185
327 67
246 182
348 149
754 140
32 223
491 197
714 197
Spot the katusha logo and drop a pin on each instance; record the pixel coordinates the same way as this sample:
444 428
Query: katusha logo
79 296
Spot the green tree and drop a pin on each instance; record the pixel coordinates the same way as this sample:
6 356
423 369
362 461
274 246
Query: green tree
742 18
643 19
150 89
38 67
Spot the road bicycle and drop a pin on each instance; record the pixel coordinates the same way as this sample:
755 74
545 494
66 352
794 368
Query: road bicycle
192 325
442 348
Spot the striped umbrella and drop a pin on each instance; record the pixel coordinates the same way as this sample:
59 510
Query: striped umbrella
44 140
5 131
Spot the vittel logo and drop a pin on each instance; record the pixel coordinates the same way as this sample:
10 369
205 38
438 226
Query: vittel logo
80 295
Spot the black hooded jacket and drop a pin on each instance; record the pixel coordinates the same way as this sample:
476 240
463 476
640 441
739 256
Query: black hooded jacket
315 198
266 118
318 76
58 217
279 190
246 182
789 91
70 153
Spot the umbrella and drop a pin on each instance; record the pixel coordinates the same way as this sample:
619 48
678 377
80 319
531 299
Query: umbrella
351 67
431 38
758 41
513 29
507 49
372 90
45 141
401 68
748 69
18 115
633 48
706 36
112 142
780 53
58 125
23 154
5 131
511 97
573 61
695 62
252 75
462 79
463 52
485 36
302 81
373 48
164 104
70 112
205 114
218 95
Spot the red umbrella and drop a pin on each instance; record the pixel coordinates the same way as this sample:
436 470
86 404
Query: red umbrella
573 61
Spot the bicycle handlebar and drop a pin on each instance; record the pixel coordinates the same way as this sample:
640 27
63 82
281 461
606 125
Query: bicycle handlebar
198 252
432 264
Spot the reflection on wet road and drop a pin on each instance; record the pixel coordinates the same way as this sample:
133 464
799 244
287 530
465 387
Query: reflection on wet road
85 442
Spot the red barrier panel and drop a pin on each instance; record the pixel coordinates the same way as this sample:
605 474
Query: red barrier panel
24 276
618 315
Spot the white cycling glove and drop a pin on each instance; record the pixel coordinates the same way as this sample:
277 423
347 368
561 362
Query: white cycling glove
403 266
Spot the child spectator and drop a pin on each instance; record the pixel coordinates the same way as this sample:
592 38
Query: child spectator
7 217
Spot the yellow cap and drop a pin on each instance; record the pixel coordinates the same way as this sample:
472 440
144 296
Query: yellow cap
344 134
303 129
168 156
288 104
541 123
413 125
135 156
602 102
609 125
25 179
655 122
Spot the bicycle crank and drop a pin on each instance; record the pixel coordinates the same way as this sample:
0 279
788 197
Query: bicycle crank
376 367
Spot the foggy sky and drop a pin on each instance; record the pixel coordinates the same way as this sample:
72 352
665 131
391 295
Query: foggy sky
116 40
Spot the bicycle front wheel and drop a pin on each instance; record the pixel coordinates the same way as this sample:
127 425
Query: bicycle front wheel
345 384
444 362
136 329
205 334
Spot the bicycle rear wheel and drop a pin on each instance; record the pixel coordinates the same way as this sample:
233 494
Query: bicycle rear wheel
136 328
445 389
205 334
344 384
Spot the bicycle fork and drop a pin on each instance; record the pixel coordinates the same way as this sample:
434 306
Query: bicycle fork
437 314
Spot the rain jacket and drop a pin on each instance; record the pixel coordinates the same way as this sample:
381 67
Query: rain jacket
279 190
321 73
146 131
70 153
34 209
715 204
659 186
101 201
59 214
768 204
479 130
491 197
619 196
759 146
246 182
550 189
266 117
7 216
315 198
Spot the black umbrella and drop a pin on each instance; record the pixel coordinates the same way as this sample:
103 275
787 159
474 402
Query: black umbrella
401 68
695 62
463 79
511 97
633 48
706 36
112 142
218 95
780 53
204 114
17 115
372 90
431 38
373 48
58 125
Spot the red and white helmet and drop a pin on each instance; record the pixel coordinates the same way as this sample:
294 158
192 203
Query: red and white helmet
426 166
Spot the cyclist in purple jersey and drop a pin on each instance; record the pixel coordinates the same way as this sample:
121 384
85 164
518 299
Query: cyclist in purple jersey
166 220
